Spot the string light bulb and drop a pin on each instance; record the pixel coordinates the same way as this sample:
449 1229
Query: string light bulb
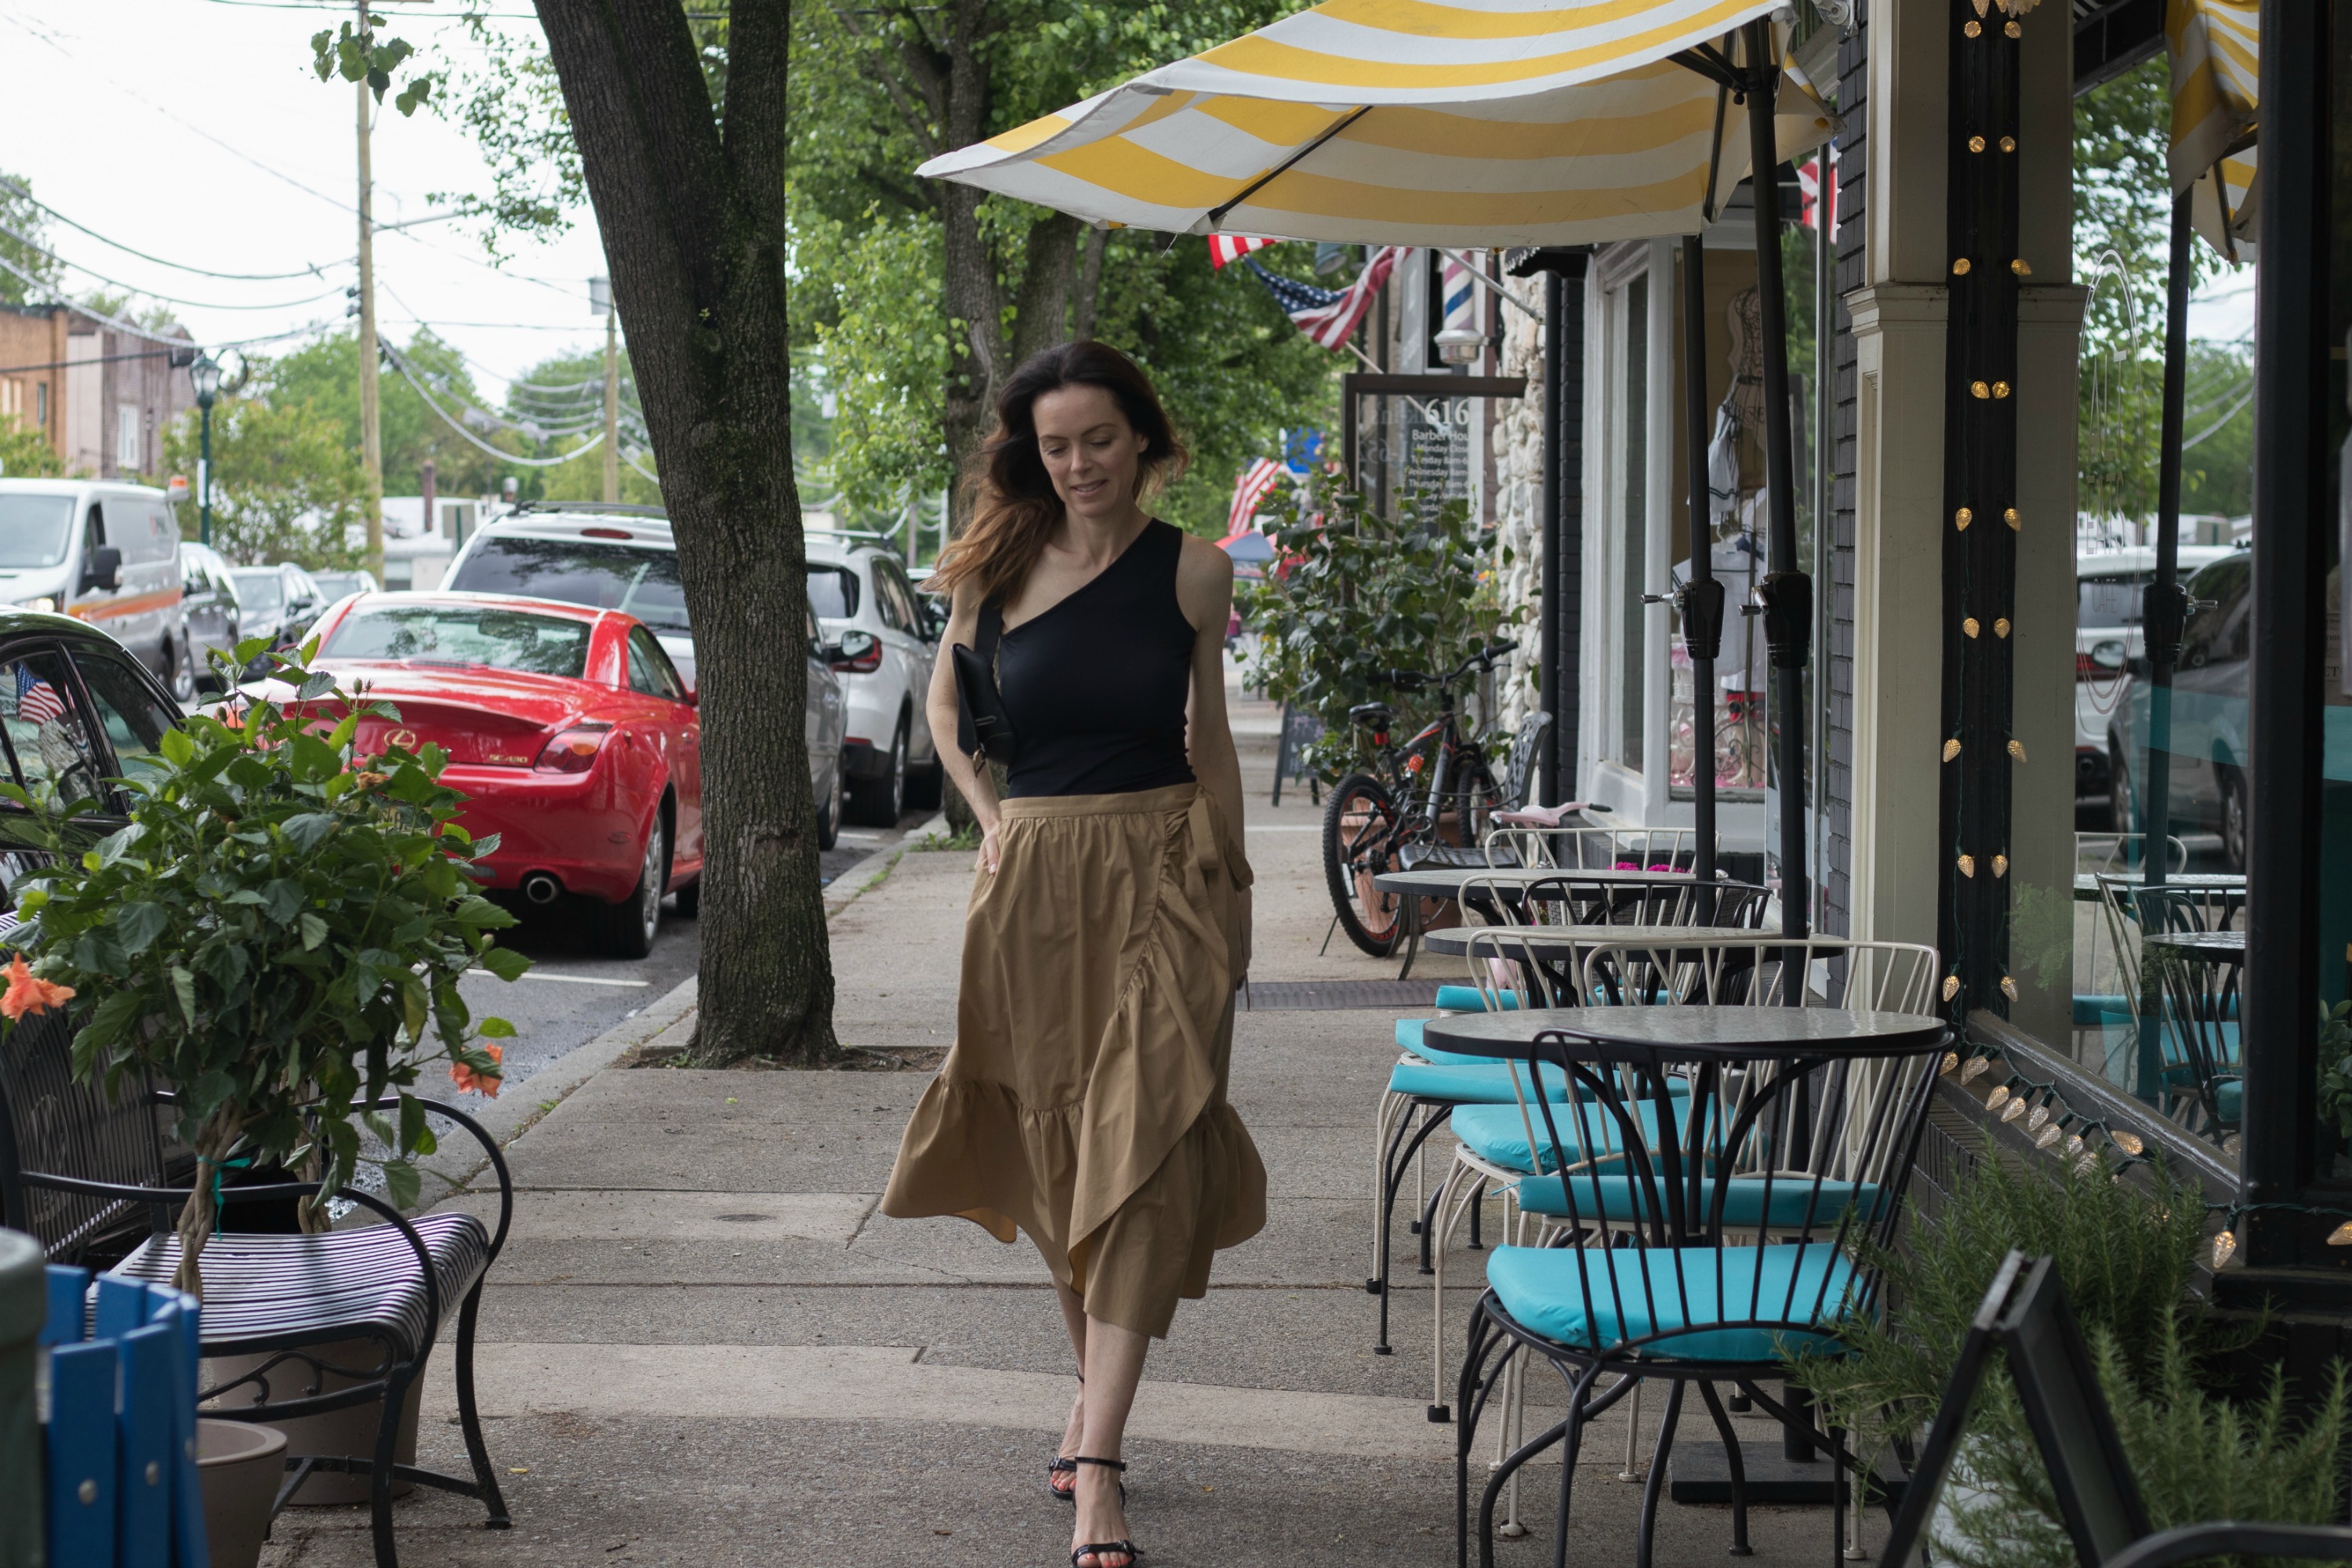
1997 1098
2040 1118
1978 1066
1951 1060
1980 389
1968 865
2020 266
2000 625
2009 144
2000 389
2014 1110
1962 518
1951 750
2225 1247
2017 749
2016 524
1952 989
2341 1235
1976 144
1969 626
2049 1134
1960 267
2009 988
2075 1147
2000 866
2130 1143
2013 29
1974 30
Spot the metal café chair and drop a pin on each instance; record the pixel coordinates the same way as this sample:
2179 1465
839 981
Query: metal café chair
1715 1213
2188 1058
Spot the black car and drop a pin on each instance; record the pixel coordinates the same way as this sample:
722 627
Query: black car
76 709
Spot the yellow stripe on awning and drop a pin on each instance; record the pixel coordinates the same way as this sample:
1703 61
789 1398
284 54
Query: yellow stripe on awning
1411 121
2214 48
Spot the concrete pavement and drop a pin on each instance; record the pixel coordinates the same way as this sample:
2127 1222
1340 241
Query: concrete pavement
703 1345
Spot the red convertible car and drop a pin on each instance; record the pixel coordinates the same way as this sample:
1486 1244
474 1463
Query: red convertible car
569 729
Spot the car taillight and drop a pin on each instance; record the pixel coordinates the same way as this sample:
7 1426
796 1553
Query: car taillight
572 751
2084 668
866 663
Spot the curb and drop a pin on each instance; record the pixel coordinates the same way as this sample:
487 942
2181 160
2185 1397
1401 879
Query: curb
843 890
507 1120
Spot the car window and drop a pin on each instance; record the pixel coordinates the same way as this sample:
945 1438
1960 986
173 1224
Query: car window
462 637
909 607
833 592
45 730
633 579
35 530
133 718
2101 603
2218 632
650 670
263 590
886 596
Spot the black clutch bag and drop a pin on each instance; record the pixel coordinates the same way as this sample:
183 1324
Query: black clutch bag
984 730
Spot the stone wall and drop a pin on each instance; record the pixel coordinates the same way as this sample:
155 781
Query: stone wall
1517 442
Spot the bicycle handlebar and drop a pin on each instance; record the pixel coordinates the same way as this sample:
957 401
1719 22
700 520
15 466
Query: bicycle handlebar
1416 680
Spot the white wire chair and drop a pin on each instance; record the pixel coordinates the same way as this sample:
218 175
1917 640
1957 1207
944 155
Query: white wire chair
1589 849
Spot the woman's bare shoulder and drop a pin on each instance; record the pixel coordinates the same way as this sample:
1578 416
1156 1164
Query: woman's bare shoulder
1201 565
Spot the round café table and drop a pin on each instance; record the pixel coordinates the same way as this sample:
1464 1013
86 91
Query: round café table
2205 884
1732 1033
1446 883
1568 943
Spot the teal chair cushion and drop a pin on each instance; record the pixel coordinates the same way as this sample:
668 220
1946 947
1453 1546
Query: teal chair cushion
1498 1134
1635 1292
1792 1203
1486 1083
1468 999
2229 1099
2090 1011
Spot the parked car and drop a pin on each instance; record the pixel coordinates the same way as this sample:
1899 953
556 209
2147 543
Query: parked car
73 735
208 598
103 553
334 585
2207 754
856 585
279 603
622 558
2109 585
570 732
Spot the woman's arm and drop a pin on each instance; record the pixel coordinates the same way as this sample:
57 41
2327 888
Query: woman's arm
1204 590
941 709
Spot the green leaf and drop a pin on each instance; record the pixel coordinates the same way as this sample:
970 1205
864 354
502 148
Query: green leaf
482 915
504 963
282 900
415 1132
305 831
139 924
401 1184
183 989
496 1028
314 930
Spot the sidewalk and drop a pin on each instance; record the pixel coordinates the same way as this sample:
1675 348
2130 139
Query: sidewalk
704 1346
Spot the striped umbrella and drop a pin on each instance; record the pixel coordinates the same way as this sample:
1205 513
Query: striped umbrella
1465 123
2216 52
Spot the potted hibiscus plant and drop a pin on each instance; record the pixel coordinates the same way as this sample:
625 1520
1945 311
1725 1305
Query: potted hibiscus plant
276 936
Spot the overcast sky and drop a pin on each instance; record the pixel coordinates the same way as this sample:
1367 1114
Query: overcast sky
196 132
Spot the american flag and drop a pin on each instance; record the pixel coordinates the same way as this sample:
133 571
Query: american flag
37 702
1818 204
1224 248
1250 492
1327 315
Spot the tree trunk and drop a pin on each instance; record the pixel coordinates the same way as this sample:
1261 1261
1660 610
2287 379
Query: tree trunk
1089 287
1042 310
692 207
200 1215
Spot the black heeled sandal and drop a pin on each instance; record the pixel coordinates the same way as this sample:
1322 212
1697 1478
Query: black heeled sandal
1098 1549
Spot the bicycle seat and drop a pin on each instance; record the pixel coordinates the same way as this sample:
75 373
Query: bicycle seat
1373 713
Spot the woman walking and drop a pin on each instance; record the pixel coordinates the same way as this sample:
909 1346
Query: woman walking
1084 1102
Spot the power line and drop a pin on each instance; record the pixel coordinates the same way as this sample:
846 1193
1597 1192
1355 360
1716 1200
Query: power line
33 245
310 271
400 365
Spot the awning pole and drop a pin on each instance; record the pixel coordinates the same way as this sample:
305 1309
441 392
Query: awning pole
1548 790
1787 591
1702 597
2164 607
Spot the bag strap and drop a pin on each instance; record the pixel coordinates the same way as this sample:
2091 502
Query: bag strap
992 627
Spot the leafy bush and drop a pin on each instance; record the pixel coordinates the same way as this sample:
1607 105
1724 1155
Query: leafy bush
1355 594
277 935
2126 1257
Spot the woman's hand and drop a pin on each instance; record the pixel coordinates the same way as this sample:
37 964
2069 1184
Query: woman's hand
990 850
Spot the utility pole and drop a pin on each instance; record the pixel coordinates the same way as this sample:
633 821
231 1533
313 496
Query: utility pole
612 401
371 420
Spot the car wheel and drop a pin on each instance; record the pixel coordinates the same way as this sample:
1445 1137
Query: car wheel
626 930
878 802
2119 800
179 674
2233 819
828 811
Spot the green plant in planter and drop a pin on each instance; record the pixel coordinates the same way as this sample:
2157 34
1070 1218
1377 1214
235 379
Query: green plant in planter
2335 1069
2128 1257
276 936
1355 594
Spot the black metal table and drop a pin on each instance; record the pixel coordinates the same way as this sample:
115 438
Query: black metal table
1446 883
2207 884
1734 1032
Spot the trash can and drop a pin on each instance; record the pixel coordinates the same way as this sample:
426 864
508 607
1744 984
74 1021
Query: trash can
23 1307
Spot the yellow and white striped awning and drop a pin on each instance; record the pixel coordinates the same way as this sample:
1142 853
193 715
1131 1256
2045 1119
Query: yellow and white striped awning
1478 123
2216 80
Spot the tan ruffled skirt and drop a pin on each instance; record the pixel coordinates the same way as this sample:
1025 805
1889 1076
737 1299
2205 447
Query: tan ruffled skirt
1084 1102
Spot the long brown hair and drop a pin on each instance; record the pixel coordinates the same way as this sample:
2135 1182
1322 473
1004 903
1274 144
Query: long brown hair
1014 507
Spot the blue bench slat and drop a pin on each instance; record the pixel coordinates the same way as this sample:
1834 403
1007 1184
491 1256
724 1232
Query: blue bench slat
67 1288
81 1454
144 1468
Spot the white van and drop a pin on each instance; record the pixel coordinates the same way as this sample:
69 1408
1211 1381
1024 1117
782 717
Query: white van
102 553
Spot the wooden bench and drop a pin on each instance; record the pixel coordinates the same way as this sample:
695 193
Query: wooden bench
84 1172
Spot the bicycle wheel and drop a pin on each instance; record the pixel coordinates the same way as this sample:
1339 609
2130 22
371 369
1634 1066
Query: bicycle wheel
1359 821
1473 803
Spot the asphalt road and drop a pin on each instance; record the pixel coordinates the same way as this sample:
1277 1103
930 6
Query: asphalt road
572 993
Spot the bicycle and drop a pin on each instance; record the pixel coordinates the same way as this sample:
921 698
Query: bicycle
1397 814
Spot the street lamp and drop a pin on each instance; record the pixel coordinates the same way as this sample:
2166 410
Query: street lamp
204 376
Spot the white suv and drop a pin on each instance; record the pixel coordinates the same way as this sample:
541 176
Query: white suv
856 583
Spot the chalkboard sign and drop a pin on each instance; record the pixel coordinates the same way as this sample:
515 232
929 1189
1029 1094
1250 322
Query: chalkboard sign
1300 729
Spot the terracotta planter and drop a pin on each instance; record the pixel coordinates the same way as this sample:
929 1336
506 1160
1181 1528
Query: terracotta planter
350 1431
239 1466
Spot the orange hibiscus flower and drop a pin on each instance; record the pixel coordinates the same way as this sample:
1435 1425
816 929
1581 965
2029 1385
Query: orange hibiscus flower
27 993
465 1078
